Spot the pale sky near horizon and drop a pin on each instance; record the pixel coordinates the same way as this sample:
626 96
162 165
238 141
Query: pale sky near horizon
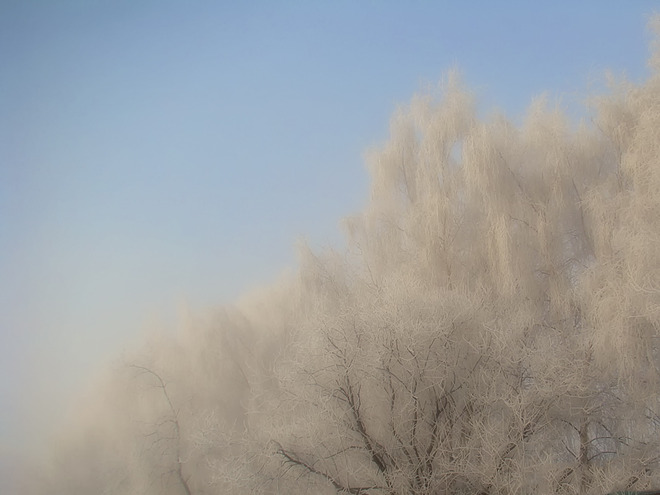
156 152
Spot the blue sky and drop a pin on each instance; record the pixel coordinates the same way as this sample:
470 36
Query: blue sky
160 152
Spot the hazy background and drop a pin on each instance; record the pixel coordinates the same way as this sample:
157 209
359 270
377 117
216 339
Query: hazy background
159 154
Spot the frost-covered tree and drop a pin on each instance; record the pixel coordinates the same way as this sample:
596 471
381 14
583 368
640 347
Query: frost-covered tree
494 325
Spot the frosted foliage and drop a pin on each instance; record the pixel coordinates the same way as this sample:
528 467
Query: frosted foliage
491 328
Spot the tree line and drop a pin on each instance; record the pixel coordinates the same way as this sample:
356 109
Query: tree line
492 327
